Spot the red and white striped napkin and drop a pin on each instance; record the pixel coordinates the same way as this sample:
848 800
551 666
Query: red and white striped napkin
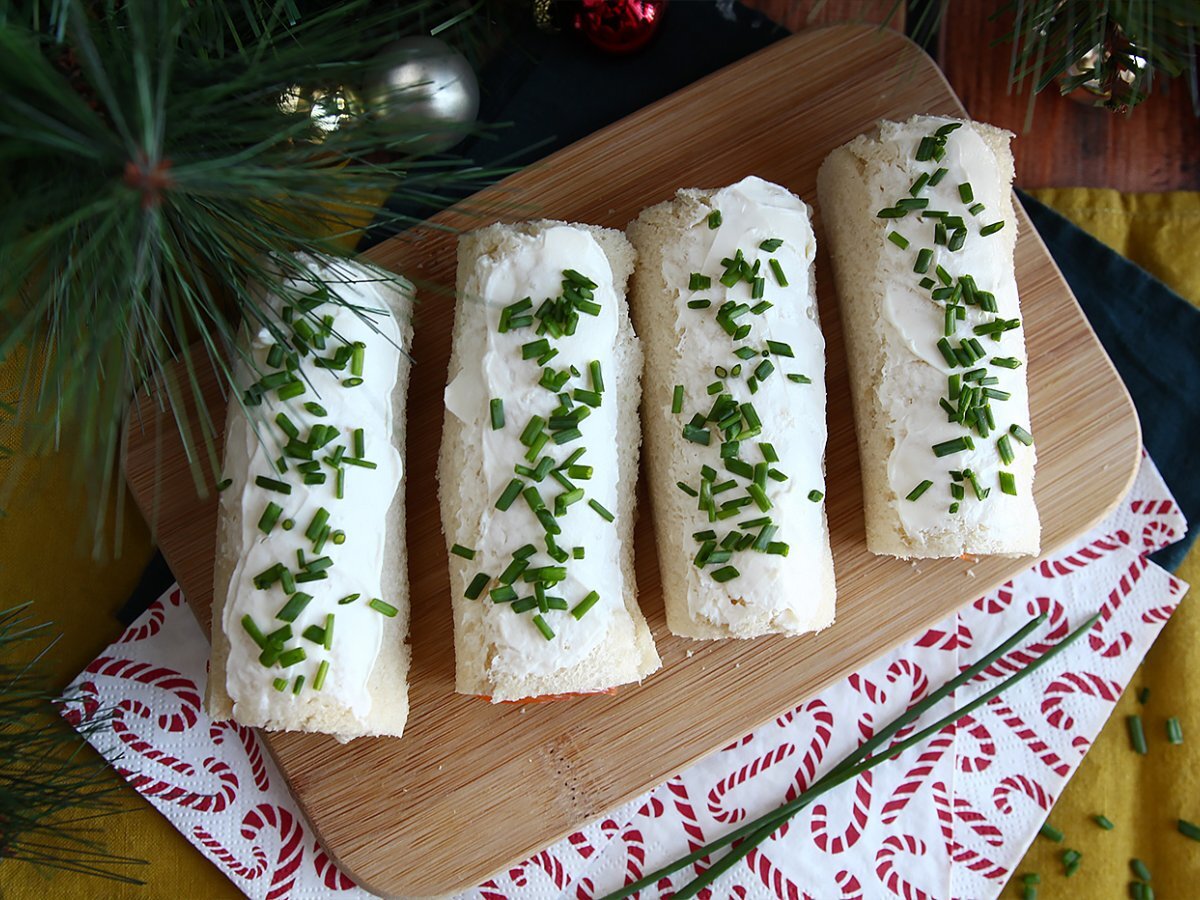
948 819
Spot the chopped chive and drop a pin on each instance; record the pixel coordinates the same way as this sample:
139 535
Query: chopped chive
768 452
924 258
253 630
702 303
779 348
601 511
936 178
223 484
898 239
532 429
475 588
291 657
314 633
280 684
295 605
1188 829
580 609
965 193
287 426
677 399
464 552
1006 362
714 219
1008 484
976 208
272 484
925 148
1051 833
725 573
957 445
290 390
1104 822
496 407
322 672
911 203
957 239
777 269
1004 448
1021 435
915 493
269 517
506 593
544 627
919 184
597 376
991 229
799 379
1137 735
816 496
687 489
1140 869
340 487
1174 730
386 608
319 519
698 282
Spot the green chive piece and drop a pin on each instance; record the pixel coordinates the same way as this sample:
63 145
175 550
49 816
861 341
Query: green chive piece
287 426
677 400
601 511
253 630
223 484
1021 435
799 379
714 219
891 212
271 484
280 684
1049 832
597 376
314 633
965 193
1004 448
290 390
816 496
340 491
496 407
991 229
322 672
919 184
778 270
699 304
898 239
1140 869
976 208
687 489
1006 362
915 493
779 348
386 608
295 605
957 445
1104 822
580 609
1008 484
328 641
936 178
464 552
291 657
509 495
924 258
269 517
911 203
725 573
698 282
544 627
315 409
1137 734
1174 730
349 598
1189 829
475 588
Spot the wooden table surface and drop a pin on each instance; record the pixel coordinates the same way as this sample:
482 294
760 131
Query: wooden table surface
1067 144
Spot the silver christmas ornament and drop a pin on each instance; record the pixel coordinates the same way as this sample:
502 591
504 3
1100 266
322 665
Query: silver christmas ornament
427 90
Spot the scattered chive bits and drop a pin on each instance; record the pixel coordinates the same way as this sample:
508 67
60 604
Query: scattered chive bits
1104 822
714 219
1051 833
1189 829
1137 734
1174 731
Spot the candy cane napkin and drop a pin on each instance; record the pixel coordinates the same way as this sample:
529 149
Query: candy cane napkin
949 818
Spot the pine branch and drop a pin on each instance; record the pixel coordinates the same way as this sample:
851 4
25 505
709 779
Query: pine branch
154 182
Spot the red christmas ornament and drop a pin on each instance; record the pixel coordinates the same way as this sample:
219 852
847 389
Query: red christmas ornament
618 26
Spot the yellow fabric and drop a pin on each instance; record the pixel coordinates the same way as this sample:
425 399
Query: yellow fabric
45 559
1142 795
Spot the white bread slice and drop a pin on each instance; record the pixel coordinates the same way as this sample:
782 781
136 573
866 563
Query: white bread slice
897 374
387 685
488 645
773 594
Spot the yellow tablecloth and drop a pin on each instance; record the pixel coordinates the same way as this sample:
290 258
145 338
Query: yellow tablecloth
44 557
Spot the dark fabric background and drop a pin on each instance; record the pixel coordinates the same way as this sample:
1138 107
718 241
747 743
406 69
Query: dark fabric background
545 91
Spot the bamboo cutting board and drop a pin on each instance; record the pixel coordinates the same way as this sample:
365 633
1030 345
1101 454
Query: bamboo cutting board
472 787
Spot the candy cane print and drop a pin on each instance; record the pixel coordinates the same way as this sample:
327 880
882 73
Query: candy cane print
635 854
994 604
860 810
1122 641
331 876
291 850
977 822
719 791
211 801
1016 660
822 734
249 741
1156 535
773 878
1158 614
1032 740
931 752
941 804
885 865
81 707
1082 556
985 753
978 863
182 688
1086 683
1021 785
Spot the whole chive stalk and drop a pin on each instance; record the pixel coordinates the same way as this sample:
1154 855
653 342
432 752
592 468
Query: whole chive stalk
755 832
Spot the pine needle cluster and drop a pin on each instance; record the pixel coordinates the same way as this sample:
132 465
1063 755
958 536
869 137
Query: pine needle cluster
155 178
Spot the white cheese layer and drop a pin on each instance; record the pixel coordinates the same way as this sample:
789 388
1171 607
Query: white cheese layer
793 415
493 368
357 562
913 324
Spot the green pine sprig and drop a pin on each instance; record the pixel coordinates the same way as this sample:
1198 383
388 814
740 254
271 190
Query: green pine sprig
55 795
746 837
154 180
